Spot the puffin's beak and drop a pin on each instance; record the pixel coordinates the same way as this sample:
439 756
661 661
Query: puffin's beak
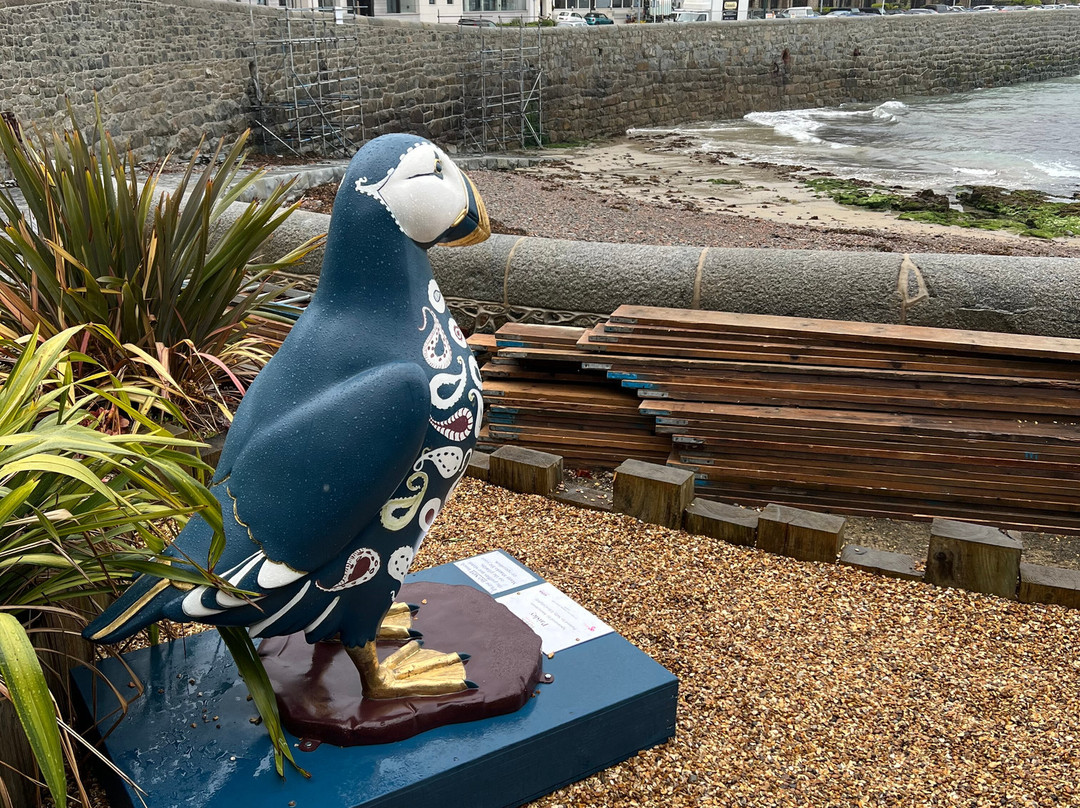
473 226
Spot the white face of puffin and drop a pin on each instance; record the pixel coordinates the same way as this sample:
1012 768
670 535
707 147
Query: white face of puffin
427 195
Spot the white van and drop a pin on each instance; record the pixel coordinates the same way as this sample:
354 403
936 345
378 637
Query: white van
798 12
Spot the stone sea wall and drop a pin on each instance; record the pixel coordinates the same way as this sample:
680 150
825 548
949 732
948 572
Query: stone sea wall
618 77
170 71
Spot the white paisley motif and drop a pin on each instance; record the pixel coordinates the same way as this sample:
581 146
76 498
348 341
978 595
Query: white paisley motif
417 482
437 349
360 568
399 562
456 333
434 294
448 460
457 427
440 380
427 515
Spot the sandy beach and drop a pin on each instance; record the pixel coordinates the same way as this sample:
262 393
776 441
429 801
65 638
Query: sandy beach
660 191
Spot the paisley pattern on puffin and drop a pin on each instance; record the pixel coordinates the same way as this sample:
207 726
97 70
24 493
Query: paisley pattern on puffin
435 297
457 427
437 349
448 460
418 483
361 567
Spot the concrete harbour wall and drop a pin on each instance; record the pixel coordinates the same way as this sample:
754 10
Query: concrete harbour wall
538 280
170 71
579 283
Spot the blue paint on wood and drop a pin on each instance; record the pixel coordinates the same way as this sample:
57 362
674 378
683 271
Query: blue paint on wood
608 700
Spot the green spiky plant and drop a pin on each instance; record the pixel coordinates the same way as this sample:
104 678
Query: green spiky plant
170 279
80 511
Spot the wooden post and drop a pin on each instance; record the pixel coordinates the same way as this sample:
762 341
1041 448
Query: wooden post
881 562
804 535
652 493
728 523
479 465
525 470
1060 587
974 557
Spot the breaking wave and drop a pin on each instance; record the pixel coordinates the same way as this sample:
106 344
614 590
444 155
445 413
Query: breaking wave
1015 137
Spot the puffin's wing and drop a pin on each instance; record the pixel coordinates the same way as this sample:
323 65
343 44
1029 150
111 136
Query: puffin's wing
306 484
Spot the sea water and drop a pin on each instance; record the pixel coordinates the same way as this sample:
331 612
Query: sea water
1023 136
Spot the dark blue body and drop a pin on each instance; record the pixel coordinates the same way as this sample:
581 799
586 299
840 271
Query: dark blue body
345 446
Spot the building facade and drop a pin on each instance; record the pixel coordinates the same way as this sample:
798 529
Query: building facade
444 11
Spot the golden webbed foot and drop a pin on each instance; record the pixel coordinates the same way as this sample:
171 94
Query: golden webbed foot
397 624
409 671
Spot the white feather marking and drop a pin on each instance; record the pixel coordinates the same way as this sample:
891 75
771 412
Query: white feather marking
273 575
257 629
192 604
237 573
227 601
323 616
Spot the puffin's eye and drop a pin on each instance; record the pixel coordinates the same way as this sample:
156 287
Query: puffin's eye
438 167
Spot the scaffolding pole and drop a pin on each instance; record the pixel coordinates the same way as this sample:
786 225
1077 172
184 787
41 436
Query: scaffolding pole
501 90
308 87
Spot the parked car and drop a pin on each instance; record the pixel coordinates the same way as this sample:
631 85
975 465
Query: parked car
570 22
843 12
689 16
475 22
920 11
797 13
568 15
596 18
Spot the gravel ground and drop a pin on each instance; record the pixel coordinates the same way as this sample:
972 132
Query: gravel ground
802 684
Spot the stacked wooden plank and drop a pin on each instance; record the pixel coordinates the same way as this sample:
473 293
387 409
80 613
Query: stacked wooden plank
854 417
538 395
858 418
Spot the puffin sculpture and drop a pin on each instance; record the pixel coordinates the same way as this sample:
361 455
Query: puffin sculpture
349 441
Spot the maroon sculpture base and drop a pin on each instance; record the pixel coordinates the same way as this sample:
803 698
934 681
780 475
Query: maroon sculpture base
318 687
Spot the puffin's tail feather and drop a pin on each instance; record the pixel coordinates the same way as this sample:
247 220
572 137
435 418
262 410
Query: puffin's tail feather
141 605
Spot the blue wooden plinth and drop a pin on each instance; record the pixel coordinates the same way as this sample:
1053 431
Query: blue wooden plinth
607 701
